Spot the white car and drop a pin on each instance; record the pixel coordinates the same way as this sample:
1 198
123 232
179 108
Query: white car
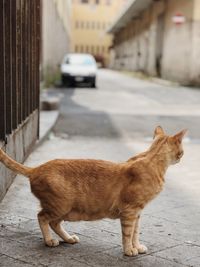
79 68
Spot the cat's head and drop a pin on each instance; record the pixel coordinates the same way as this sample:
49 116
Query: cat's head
172 144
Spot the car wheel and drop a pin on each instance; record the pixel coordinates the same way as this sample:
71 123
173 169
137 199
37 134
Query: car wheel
64 80
93 84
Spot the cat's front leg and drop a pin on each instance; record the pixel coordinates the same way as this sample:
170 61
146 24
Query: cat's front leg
136 243
128 225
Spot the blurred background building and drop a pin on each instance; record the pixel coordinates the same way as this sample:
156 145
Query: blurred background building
56 36
90 20
160 38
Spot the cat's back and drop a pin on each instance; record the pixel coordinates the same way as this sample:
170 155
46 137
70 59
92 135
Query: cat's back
85 165
78 176
78 168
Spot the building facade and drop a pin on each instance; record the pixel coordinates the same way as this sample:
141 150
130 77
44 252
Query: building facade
90 20
160 38
56 35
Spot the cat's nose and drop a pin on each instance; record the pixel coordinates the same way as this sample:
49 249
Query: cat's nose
180 154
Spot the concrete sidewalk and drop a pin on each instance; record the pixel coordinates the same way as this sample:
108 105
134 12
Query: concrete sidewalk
47 121
170 224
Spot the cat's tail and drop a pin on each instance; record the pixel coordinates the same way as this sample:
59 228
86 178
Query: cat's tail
14 165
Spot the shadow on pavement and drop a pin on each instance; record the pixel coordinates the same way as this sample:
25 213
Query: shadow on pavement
78 120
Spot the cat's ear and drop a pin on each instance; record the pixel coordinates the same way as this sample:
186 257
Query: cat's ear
158 131
179 136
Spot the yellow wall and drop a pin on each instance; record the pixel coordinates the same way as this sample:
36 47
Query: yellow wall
95 41
196 10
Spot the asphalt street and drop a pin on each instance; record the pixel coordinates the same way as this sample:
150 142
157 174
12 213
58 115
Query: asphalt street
125 107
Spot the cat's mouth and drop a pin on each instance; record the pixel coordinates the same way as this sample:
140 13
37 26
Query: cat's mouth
177 160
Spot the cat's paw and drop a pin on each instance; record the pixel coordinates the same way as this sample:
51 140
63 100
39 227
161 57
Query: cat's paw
142 249
52 242
131 252
73 239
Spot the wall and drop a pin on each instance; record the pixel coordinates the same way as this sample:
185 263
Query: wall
135 45
177 42
55 34
138 46
195 63
19 87
18 147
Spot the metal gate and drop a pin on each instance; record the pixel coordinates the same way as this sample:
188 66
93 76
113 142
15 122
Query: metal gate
19 62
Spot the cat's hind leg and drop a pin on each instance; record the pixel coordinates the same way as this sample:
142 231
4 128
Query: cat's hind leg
59 230
44 220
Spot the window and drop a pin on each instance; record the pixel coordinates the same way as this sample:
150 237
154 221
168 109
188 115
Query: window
87 24
82 25
77 24
76 48
98 25
93 25
79 60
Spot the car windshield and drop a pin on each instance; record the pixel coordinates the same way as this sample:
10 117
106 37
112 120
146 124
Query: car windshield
80 60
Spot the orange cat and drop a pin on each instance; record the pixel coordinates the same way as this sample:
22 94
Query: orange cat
77 189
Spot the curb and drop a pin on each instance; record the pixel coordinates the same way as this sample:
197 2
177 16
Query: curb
164 82
144 77
45 131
